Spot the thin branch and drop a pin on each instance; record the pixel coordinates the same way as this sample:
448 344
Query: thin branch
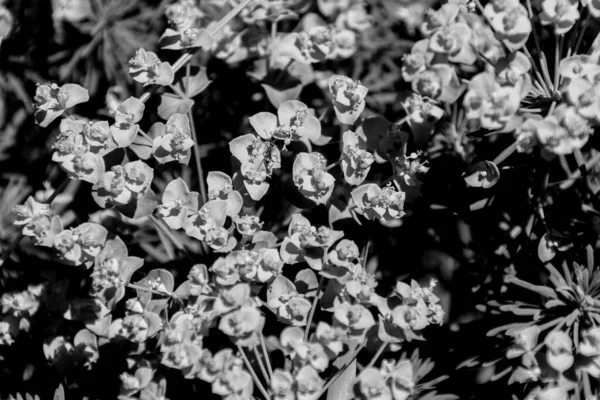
252 373
313 309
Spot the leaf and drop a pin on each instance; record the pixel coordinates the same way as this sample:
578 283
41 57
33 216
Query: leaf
142 147
171 104
59 394
276 96
142 207
306 282
197 82
341 389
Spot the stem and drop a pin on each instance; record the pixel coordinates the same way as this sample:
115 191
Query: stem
535 36
178 92
557 52
539 76
280 74
581 34
377 355
251 370
322 116
505 153
330 166
587 388
341 371
167 232
266 353
261 365
273 31
312 309
144 134
588 165
546 72
58 190
197 158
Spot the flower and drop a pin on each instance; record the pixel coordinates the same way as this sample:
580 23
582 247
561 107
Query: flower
135 327
308 383
311 178
417 61
177 203
289 306
187 38
578 66
147 68
510 21
242 325
123 184
81 244
258 159
437 19
561 14
113 268
513 71
559 352
356 160
385 204
127 115
51 101
220 186
233 383
355 319
348 98
585 96
248 225
310 46
294 121
183 14
526 134
525 341
282 385
438 82
174 141
590 343
211 215
307 243
373 386
37 221
489 103
563 131
455 41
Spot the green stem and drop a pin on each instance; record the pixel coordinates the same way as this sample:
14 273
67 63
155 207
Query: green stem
252 373
201 181
581 34
266 353
330 166
379 352
313 309
261 365
557 52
